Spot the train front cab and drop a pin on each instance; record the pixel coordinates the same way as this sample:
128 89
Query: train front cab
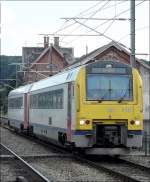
111 122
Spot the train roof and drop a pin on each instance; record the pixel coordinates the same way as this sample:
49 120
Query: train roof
64 77
60 78
20 90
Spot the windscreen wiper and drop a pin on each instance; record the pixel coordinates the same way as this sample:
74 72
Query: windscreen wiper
104 95
123 96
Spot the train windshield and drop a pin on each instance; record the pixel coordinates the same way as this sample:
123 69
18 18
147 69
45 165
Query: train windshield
109 87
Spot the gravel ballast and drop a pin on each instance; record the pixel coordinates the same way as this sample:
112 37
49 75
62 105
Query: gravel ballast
54 168
142 160
70 170
21 145
58 169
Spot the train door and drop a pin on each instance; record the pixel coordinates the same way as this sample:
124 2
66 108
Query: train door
26 108
26 112
69 109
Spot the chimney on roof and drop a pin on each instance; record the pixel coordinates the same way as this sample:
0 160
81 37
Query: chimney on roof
46 41
56 41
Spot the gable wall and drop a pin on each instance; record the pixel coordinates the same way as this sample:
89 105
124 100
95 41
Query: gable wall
53 58
114 54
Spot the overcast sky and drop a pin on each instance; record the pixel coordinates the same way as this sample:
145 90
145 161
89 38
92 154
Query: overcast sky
22 22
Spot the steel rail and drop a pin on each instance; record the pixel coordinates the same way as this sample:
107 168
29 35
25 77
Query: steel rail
133 170
105 169
43 178
96 165
142 167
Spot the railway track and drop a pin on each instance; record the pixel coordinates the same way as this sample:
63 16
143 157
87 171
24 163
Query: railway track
63 152
119 168
20 169
125 170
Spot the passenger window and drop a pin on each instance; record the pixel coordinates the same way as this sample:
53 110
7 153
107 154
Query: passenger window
47 100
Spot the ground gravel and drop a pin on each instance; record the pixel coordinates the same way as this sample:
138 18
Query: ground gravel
21 145
142 160
55 169
7 172
70 170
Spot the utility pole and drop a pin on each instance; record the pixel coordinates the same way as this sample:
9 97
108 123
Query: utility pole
16 76
132 29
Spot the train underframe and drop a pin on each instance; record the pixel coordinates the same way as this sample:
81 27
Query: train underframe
102 140
109 140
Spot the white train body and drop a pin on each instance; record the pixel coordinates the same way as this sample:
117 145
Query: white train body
16 106
83 107
47 122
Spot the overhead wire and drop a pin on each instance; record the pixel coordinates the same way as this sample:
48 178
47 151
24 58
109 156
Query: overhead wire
67 26
138 29
89 17
111 6
64 27
97 26
108 21
99 33
117 15
107 28
89 8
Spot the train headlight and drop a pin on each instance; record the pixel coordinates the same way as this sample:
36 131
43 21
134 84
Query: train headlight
82 122
137 122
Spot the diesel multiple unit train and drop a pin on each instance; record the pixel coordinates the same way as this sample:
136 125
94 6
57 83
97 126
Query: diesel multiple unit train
95 107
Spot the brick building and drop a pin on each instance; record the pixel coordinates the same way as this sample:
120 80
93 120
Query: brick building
47 61
30 54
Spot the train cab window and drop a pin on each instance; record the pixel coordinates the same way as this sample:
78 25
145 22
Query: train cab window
109 87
